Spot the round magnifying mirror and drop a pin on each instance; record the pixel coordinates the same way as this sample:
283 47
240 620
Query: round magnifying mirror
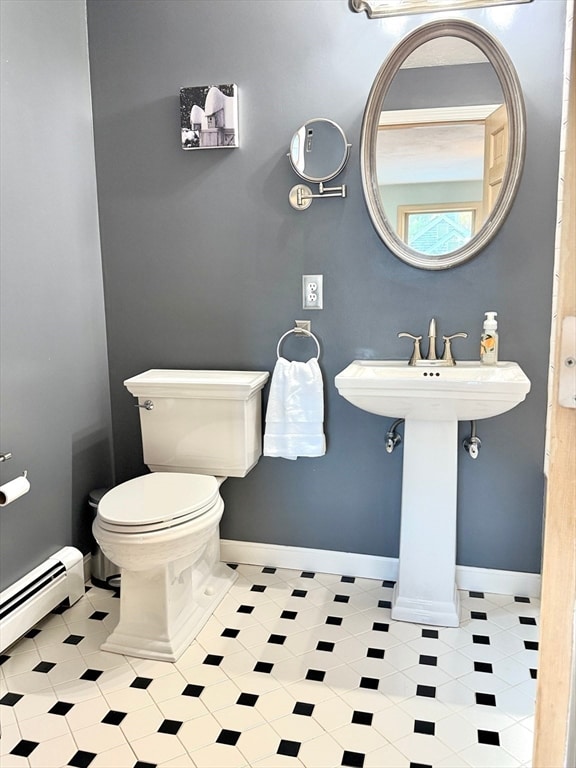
319 150
442 144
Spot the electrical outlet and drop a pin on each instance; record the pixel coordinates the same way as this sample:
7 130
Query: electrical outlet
312 292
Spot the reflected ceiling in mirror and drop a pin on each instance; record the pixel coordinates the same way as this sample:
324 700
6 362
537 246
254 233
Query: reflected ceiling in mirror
442 144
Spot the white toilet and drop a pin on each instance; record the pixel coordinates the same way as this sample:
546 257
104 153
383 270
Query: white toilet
162 529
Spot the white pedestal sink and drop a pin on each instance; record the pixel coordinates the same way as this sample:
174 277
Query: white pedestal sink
431 399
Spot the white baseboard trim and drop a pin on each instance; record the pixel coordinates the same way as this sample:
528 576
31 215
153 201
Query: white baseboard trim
498 582
372 566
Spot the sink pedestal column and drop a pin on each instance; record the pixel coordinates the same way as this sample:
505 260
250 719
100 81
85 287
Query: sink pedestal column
425 592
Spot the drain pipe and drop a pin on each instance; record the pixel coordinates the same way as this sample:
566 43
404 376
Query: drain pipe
392 437
472 443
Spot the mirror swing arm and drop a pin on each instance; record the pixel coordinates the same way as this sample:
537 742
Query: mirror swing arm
301 196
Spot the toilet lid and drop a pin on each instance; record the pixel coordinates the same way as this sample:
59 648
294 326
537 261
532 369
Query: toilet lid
154 501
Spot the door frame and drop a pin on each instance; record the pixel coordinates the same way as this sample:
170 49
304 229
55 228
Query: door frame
554 730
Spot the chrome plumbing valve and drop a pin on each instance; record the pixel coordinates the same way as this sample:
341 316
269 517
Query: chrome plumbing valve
392 437
472 443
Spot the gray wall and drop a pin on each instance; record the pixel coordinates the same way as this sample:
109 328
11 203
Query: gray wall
203 256
55 400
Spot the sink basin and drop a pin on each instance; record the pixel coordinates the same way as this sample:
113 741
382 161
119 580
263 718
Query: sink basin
466 391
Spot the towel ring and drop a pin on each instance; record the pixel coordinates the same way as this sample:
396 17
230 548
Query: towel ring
298 331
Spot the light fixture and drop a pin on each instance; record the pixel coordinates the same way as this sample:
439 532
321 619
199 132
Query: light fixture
377 9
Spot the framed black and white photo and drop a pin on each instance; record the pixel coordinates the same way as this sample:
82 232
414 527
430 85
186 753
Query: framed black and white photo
209 116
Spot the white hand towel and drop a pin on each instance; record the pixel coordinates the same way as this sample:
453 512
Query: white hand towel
295 412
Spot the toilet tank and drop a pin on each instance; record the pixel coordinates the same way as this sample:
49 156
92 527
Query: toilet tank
204 422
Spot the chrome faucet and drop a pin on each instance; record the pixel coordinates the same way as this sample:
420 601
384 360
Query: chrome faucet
432 340
432 359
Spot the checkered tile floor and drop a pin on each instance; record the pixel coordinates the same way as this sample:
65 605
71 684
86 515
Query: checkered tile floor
294 669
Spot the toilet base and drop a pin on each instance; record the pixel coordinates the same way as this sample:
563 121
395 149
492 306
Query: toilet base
163 609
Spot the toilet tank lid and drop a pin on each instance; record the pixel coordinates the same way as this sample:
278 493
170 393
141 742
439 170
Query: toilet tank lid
225 385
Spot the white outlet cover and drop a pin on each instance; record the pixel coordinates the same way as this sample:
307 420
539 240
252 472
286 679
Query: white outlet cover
312 292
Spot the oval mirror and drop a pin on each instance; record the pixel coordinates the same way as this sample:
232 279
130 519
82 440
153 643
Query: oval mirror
318 150
442 144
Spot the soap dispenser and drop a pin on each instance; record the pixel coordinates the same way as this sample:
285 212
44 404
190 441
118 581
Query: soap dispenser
489 340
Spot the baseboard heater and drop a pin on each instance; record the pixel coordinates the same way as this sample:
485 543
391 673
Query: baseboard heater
59 578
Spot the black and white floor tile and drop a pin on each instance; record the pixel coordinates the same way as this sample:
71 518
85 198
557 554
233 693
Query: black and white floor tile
293 669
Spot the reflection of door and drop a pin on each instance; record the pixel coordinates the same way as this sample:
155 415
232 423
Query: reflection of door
495 154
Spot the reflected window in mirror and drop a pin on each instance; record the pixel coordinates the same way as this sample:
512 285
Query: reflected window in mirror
438 229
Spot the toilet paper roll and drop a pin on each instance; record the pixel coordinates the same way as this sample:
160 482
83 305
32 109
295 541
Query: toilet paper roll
11 491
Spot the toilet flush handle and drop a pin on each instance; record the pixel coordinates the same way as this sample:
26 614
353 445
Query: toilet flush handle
148 404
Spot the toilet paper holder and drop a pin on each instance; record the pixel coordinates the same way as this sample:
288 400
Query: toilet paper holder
14 489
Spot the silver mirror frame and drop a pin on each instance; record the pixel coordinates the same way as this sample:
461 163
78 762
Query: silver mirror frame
514 101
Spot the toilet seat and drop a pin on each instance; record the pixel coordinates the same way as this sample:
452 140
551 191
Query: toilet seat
156 502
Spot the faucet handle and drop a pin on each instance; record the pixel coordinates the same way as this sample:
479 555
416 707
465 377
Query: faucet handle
447 354
416 354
